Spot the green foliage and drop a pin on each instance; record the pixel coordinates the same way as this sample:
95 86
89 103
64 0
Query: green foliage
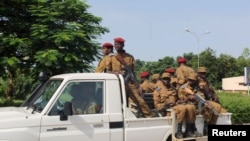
5 103
237 104
45 35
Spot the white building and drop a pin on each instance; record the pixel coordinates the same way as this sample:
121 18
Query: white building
234 84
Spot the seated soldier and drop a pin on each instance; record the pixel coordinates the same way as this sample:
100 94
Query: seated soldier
83 101
146 85
165 97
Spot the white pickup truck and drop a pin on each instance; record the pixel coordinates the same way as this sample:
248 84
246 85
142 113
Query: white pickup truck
48 116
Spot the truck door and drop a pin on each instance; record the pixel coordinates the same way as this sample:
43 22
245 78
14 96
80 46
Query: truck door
88 122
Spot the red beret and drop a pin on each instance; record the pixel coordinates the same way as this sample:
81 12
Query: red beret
182 60
108 45
119 39
144 74
170 70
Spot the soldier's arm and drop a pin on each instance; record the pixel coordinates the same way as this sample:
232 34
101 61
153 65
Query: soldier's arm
101 66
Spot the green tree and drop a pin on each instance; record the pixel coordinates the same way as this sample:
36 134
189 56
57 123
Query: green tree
226 66
53 36
208 59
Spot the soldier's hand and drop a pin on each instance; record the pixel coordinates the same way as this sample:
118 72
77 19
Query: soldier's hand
189 91
215 98
191 97
139 90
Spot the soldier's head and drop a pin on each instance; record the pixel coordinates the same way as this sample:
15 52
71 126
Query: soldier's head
170 70
193 80
166 78
202 71
144 75
155 77
182 60
107 48
119 44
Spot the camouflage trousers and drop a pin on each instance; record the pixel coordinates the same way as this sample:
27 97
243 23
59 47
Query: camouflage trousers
185 112
209 115
135 96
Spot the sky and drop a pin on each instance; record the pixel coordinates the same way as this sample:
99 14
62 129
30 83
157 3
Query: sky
154 29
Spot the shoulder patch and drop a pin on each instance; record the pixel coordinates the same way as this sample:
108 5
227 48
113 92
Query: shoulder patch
183 86
111 54
158 88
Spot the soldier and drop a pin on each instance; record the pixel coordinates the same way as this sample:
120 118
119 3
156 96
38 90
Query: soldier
183 71
171 71
207 88
156 80
104 63
173 77
123 63
208 93
187 98
165 97
146 85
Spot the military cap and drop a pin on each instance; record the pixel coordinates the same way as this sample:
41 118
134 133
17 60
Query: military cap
144 74
107 45
182 60
119 39
165 75
155 76
192 76
170 70
202 69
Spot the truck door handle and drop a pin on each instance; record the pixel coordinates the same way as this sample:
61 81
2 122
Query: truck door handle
57 129
98 125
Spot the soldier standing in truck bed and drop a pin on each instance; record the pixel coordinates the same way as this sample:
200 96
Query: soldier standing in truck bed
122 63
104 64
183 71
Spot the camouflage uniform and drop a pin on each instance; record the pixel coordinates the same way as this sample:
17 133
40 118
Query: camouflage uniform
173 77
207 91
117 67
189 101
182 72
147 86
156 80
104 63
164 96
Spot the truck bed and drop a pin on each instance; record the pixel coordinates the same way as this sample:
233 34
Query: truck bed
169 121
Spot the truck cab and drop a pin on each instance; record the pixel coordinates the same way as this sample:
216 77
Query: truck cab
54 113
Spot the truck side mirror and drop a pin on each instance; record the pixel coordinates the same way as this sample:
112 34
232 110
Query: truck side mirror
67 111
42 77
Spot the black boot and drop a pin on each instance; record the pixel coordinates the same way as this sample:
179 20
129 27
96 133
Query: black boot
205 128
189 131
194 129
179 134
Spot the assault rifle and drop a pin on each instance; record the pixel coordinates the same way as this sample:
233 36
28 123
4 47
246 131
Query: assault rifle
200 100
129 76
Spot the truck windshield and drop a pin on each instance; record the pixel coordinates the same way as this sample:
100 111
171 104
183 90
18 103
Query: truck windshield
45 94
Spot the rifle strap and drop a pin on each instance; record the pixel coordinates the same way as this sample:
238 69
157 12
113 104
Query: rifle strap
120 58
129 92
